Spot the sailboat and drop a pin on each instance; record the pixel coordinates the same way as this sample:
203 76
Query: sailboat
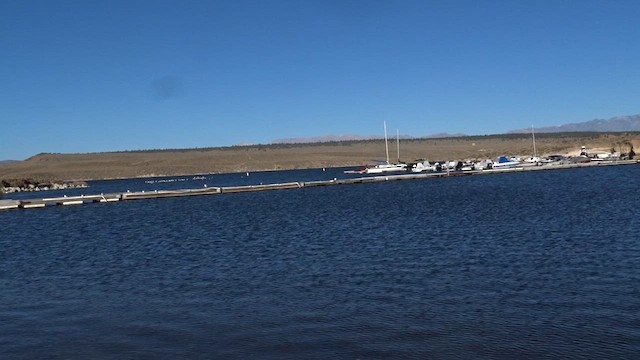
384 167
387 166
533 160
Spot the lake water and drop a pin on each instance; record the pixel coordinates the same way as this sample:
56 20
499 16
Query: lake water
511 266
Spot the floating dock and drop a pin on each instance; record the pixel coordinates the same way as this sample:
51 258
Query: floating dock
9 204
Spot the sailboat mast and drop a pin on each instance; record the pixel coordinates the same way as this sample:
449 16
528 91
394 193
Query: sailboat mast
386 144
533 135
398 143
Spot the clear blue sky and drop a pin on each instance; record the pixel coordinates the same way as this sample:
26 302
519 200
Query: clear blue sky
91 76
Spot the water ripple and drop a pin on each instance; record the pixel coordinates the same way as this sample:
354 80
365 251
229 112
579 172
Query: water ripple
539 265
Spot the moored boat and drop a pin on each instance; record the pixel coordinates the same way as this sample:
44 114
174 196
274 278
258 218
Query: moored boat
422 165
505 163
384 167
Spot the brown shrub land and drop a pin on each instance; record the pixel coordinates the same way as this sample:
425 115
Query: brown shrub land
298 156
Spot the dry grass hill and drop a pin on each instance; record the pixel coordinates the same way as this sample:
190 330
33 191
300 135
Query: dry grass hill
297 156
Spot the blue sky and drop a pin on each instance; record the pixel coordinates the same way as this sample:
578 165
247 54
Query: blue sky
92 76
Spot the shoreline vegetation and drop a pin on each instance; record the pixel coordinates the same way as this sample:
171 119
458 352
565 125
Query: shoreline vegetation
37 172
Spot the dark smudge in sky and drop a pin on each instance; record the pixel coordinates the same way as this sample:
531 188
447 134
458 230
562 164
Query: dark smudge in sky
167 87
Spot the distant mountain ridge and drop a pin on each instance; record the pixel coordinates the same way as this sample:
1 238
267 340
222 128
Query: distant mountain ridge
350 137
614 124
318 139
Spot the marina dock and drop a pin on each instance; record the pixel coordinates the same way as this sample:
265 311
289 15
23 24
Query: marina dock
8 204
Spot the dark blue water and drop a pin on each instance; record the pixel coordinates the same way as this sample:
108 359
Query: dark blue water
510 266
192 182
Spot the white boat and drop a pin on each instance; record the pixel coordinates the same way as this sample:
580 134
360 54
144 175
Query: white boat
384 167
482 164
505 163
534 160
422 165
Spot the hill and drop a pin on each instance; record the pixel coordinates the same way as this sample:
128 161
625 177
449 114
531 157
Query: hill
297 156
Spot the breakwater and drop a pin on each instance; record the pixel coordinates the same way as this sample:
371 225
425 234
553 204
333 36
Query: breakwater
155 194
31 185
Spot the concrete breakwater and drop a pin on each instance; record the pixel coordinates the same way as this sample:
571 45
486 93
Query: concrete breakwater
139 195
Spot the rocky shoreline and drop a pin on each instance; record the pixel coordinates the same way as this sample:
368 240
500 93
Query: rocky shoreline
28 185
